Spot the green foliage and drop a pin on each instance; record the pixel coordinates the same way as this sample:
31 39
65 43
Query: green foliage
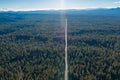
32 47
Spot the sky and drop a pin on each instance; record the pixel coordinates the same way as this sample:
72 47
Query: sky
23 5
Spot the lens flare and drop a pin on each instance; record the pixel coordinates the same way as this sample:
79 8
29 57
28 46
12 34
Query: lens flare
62 4
64 25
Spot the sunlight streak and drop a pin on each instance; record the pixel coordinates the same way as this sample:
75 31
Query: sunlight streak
62 4
64 25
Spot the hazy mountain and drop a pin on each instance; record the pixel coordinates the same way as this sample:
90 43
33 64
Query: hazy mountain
98 11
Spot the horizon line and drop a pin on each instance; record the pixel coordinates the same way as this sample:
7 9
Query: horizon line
59 9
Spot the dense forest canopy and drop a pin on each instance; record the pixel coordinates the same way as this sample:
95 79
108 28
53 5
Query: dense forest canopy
32 45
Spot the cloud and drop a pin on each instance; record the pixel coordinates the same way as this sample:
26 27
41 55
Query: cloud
118 2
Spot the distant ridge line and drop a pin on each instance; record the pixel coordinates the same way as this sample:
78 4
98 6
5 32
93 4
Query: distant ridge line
60 9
